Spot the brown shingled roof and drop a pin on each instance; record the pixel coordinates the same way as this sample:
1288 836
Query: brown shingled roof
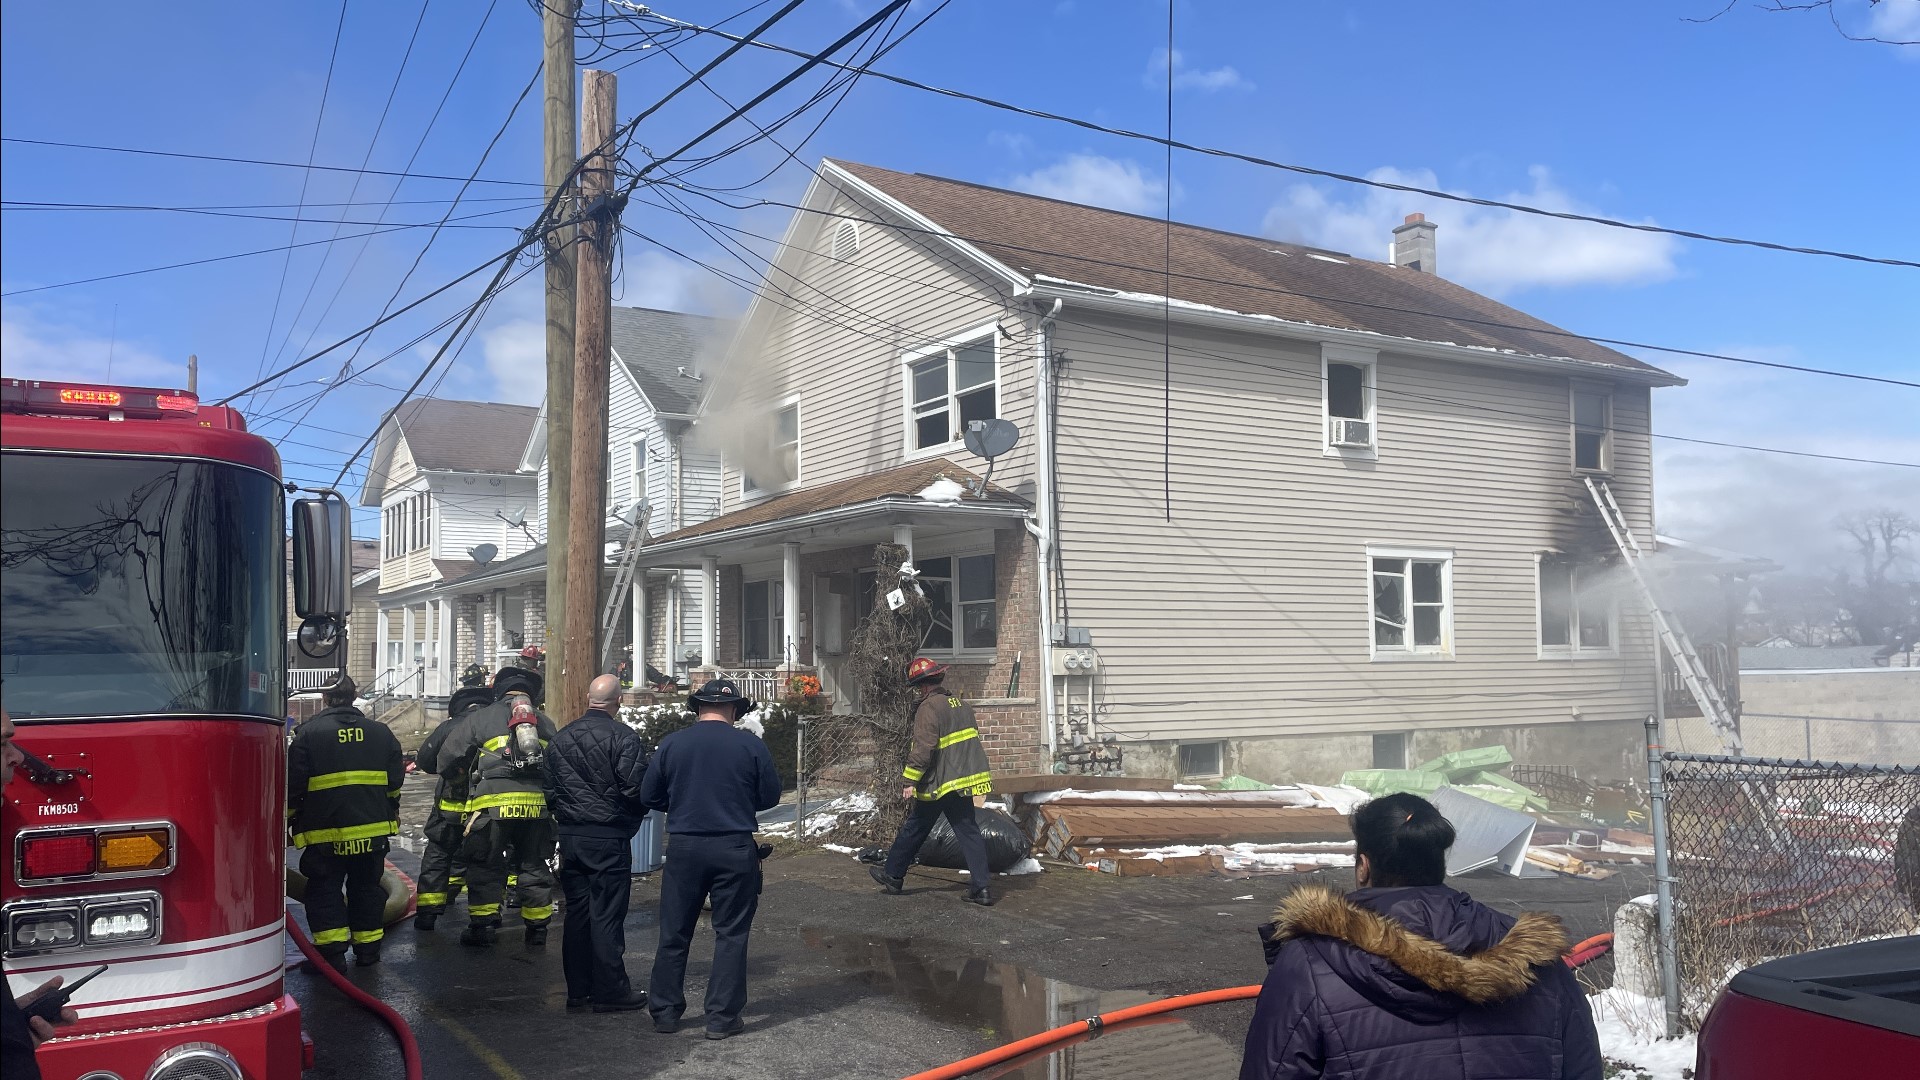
1246 274
905 481
466 436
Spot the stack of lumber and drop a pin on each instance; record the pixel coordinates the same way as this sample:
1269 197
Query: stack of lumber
1121 836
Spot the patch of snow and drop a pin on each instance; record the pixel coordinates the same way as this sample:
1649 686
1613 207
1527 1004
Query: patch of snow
1341 797
841 848
1326 258
1028 865
1249 896
1629 1025
1280 796
942 491
1189 787
753 724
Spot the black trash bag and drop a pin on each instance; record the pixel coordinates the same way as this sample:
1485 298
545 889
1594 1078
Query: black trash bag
1006 844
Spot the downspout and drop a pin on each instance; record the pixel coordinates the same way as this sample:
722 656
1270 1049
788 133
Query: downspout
1045 532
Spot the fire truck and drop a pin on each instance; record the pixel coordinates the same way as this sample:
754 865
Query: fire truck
142 641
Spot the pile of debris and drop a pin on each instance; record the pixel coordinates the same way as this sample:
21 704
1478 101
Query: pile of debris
1476 772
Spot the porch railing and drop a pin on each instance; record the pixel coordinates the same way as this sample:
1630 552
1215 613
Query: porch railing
758 684
307 680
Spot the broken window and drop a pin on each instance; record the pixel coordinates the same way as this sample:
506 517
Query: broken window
950 388
960 589
762 609
780 467
1576 609
1347 399
1411 596
1591 420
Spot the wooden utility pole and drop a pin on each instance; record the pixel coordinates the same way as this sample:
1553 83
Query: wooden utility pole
592 348
193 373
561 120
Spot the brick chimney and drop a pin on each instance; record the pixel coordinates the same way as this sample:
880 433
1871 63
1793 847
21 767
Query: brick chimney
1413 245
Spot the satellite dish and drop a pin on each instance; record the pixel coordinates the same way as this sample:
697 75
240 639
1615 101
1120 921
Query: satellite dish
990 438
517 518
483 553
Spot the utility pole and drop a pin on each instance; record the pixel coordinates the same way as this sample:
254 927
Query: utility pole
592 348
561 121
193 373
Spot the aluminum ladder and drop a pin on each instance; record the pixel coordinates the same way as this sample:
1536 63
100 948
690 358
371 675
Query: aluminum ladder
1672 637
623 572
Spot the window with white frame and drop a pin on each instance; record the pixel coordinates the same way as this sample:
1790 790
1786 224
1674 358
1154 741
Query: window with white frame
948 388
1347 400
960 589
1592 423
762 610
637 472
1412 595
779 465
406 526
1576 609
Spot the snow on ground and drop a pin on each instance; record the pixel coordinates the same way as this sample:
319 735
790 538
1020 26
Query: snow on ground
1629 1026
1335 797
1027 865
824 818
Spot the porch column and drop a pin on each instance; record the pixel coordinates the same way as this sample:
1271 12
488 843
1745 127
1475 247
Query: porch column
639 637
903 536
447 639
382 635
406 649
709 611
790 604
499 641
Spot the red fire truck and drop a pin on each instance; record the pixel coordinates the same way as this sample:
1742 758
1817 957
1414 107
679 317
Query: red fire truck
141 653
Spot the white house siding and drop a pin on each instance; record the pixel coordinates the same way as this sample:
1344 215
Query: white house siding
1247 614
467 509
699 474
837 342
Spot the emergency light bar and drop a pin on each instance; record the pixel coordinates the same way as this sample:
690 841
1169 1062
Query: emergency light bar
104 402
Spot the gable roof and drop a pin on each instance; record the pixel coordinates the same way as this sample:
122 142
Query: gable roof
1050 241
656 344
901 482
465 436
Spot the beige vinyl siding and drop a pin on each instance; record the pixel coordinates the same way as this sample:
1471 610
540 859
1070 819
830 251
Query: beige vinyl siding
1249 613
403 481
838 340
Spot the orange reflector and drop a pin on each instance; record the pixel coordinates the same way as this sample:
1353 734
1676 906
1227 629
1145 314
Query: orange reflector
134 850
110 398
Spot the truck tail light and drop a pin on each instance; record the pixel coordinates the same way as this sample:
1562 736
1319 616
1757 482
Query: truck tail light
122 922
129 851
57 855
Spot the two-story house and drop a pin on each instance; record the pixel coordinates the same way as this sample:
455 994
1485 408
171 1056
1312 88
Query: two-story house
1274 510
445 475
655 471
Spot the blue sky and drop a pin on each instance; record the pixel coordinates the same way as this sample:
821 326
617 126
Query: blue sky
1757 124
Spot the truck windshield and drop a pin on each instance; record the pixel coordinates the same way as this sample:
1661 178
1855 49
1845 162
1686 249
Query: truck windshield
137 586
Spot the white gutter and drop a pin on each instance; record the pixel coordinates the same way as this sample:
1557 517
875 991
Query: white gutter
1044 533
1157 308
892 504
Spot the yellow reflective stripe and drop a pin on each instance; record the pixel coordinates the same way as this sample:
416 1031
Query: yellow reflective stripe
452 807
958 737
456 880
290 812
512 880
351 832
981 782
913 774
536 914
507 798
430 899
367 937
330 937
481 911
350 778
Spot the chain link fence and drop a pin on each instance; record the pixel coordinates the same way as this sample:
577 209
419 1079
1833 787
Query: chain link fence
1773 857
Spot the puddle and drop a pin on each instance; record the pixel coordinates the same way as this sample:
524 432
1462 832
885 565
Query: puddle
1004 1002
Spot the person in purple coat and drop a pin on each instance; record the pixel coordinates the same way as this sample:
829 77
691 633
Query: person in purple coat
1407 979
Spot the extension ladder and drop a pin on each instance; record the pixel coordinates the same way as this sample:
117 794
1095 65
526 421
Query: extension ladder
1713 705
623 572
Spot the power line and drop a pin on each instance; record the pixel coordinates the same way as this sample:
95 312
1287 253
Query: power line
260 161
1305 170
248 217
244 255
39 204
1543 329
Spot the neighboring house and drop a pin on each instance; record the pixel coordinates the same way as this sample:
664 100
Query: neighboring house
653 391
445 475
1309 513
309 672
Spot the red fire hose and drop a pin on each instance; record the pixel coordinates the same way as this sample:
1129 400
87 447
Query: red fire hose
1081 1030
409 1048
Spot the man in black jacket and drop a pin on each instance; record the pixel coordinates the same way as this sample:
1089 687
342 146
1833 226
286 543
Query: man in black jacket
344 773
595 766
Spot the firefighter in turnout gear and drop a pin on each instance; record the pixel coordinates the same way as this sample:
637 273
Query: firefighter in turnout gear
946 767
344 773
442 874
507 829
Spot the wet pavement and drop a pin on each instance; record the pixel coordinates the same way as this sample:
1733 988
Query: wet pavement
845 981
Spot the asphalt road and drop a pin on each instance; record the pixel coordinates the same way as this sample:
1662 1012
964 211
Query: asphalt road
848 982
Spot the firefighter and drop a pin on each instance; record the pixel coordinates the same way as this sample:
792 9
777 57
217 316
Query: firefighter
442 874
508 832
711 780
946 768
344 773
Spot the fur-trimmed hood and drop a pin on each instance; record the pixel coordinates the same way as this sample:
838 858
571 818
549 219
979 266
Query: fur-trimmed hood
1424 952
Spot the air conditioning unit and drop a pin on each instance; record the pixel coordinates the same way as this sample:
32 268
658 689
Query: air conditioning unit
1352 432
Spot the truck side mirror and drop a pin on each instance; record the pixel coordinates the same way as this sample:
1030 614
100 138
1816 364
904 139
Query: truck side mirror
322 568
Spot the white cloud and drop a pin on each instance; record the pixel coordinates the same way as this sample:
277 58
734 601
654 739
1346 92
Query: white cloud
1206 80
34 348
1896 20
515 352
1013 143
1498 251
1096 181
